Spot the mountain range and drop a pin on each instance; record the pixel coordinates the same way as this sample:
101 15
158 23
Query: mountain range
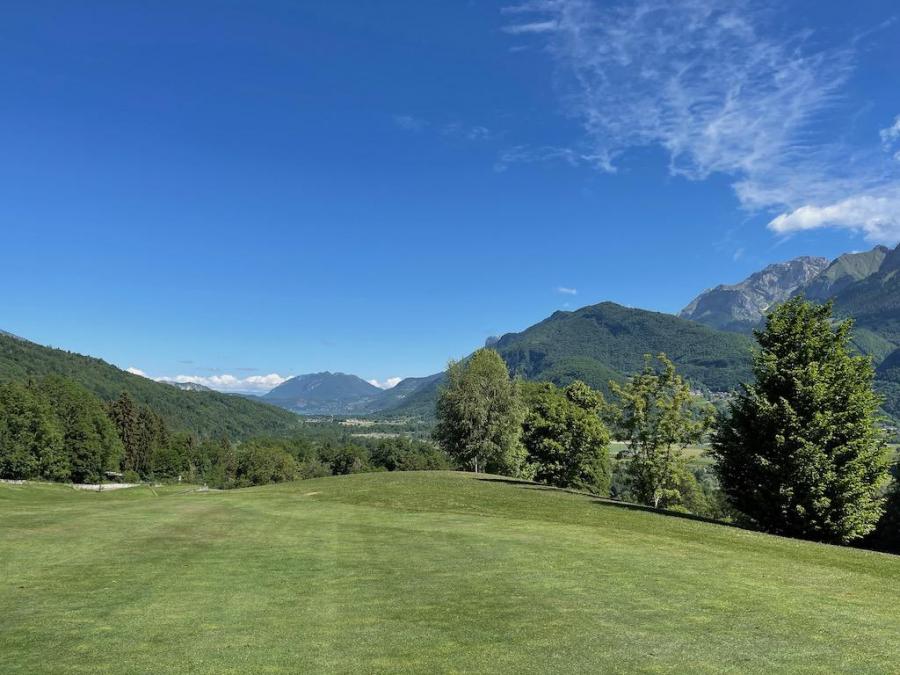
709 341
605 342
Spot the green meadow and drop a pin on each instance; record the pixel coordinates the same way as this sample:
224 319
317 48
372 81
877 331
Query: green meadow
421 572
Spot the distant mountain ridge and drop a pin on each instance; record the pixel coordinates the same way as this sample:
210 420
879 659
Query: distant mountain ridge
740 307
324 393
604 342
843 272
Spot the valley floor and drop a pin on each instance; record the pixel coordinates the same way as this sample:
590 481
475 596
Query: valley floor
421 572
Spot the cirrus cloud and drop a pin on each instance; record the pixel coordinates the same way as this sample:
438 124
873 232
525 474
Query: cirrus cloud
722 88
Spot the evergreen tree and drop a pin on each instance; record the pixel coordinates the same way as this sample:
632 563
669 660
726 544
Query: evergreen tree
124 415
800 452
480 415
567 443
657 416
142 432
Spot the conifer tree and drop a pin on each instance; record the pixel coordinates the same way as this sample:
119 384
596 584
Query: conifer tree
800 452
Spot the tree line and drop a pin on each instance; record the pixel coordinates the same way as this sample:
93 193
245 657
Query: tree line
799 451
54 429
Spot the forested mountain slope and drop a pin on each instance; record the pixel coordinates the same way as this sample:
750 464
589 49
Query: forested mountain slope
205 413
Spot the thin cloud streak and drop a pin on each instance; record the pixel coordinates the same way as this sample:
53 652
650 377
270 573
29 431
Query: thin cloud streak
722 89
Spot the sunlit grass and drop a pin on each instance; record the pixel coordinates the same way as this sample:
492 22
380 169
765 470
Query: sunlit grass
421 572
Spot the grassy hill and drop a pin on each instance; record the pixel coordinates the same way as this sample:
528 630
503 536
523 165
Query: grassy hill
206 413
421 572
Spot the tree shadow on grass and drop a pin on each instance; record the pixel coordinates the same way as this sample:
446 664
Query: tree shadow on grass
605 501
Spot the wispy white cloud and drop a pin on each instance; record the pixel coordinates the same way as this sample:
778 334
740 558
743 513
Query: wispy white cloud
454 129
470 133
389 383
135 371
566 291
723 90
891 135
525 154
410 123
531 27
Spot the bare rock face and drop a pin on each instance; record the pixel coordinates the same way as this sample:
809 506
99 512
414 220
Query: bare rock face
740 307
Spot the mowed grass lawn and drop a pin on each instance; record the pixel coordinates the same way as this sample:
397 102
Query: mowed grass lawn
427 572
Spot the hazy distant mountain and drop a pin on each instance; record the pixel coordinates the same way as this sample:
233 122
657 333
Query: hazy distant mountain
397 396
741 307
324 394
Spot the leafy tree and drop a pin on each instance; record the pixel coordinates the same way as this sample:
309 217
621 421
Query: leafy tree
259 465
800 452
480 415
404 454
31 443
89 437
172 461
348 459
567 443
657 416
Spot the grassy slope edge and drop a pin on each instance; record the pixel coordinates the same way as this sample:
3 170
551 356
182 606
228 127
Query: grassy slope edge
422 572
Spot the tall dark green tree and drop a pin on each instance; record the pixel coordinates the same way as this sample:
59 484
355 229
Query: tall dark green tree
566 440
142 432
480 415
658 416
800 451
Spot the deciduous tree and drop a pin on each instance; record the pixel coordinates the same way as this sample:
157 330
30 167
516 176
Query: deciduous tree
480 415
567 443
657 416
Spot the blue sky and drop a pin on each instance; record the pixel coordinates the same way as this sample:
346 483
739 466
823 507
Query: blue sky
250 190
